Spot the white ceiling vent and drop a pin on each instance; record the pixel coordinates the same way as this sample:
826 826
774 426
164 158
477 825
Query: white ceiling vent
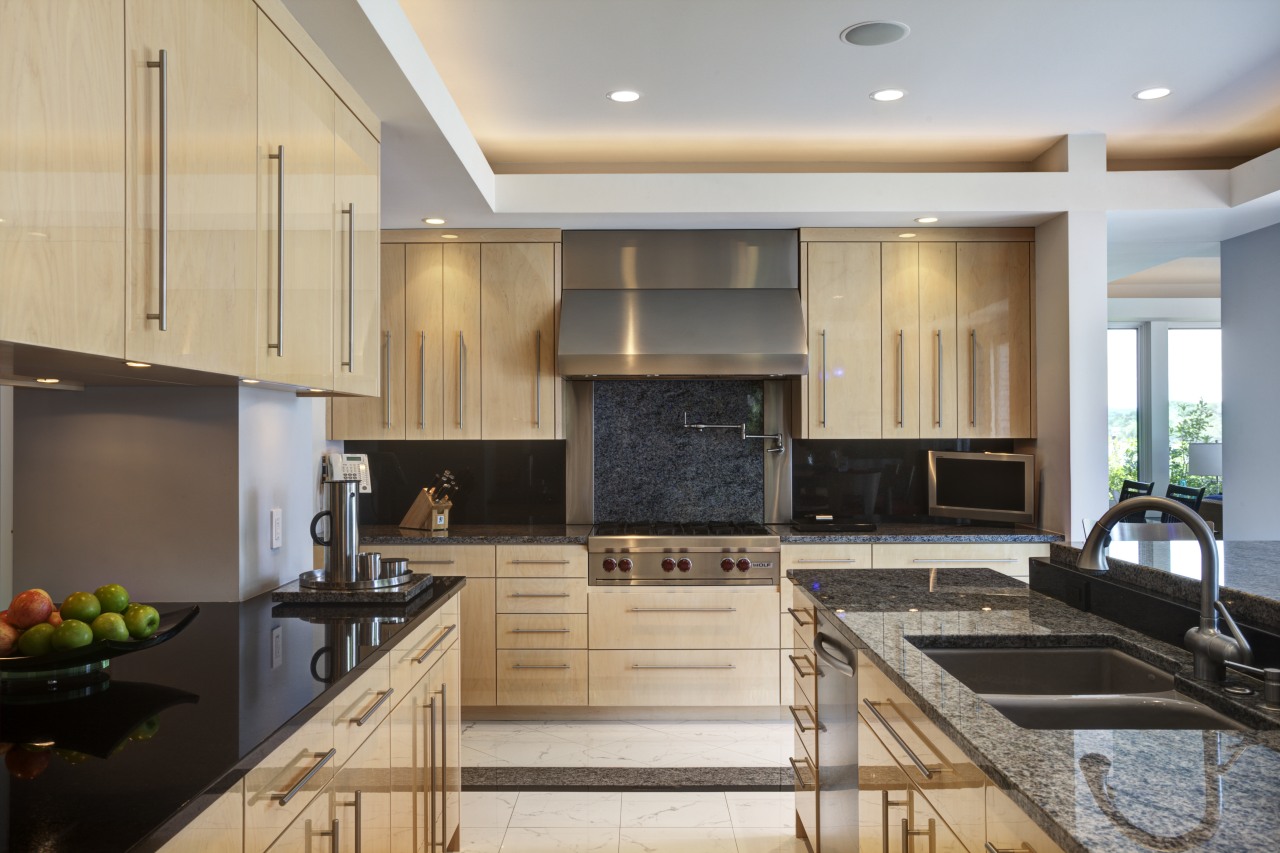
872 33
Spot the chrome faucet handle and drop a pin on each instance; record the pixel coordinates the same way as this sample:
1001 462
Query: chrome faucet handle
1246 651
1270 682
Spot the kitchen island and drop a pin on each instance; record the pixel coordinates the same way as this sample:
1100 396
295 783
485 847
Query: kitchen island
183 724
1119 791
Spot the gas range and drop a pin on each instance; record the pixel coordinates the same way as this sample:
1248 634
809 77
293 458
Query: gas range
713 553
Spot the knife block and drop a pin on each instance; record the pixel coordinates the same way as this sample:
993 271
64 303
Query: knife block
427 514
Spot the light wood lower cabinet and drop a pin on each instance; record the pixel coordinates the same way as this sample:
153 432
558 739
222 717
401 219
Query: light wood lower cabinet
315 829
280 787
542 631
1007 558
683 619
542 677
697 677
217 829
362 794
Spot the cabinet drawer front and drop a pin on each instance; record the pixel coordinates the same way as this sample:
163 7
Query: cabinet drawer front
542 677
804 619
542 631
954 786
804 719
473 561
832 556
281 786
420 650
542 595
675 619
361 708
706 677
542 561
803 666
993 555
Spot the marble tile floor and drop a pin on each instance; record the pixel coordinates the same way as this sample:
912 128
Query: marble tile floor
628 787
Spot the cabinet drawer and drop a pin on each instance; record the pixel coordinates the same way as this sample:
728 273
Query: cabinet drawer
542 677
542 595
1001 556
803 666
804 620
280 786
360 708
676 619
542 561
832 556
1008 828
806 781
804 719
954 785
473 561
542 631
705 677
419 652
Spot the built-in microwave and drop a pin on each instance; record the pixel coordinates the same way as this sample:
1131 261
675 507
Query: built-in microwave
982 486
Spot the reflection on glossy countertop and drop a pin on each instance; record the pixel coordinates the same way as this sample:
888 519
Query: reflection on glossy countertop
1100 790
218 700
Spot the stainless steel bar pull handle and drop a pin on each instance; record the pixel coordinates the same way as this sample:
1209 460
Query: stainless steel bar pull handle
795 662
540 666
278 346
433 646
915 759
1023 848
539 595
902 376
684 610
795 614
826 560
373 709
539 630
462 368
350 213
813 726
162 233
537 380
359 820
335 836
444 768
885 804
973 377
429 790
937 381
824 378
422 381
959 560
684 666
540 562
908 835
386 380
293 792
805 784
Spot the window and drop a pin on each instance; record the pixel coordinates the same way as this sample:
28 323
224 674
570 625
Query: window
1195 398
1122 407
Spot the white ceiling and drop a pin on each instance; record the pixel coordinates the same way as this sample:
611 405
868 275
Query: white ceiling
481 97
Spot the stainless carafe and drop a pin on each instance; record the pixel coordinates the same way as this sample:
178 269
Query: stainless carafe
343 544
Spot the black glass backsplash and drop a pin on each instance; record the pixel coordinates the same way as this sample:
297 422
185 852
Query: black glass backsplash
499 482
873 479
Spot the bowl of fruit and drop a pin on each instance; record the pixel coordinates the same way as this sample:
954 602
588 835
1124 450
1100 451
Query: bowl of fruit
39 637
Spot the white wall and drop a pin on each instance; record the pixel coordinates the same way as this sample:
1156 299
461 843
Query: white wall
1250 404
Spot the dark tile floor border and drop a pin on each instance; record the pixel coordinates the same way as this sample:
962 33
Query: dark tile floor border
628 779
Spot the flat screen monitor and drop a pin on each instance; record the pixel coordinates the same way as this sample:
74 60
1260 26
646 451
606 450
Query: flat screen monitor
982 486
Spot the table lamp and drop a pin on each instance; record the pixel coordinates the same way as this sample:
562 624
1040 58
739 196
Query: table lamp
1204 459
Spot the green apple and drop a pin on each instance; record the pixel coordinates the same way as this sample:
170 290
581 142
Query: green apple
72 634
113 597
36 640
110 626
142 620
81 606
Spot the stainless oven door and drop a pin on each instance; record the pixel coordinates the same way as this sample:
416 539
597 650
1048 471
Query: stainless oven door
837 740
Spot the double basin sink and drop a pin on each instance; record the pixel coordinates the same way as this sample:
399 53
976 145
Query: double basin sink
1076 688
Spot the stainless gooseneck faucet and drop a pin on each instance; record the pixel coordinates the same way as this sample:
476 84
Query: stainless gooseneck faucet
1212 649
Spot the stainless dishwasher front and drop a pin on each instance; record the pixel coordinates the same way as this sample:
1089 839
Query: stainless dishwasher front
837 739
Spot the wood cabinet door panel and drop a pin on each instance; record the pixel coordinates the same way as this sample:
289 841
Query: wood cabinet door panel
546 561
680 619
542 677
699 677
900 348
517 288
479 642
358 323
62 175
844 340
937 340
463 355
384 416
424 352
993 298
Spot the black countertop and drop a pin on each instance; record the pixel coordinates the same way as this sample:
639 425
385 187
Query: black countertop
230 708
1182 790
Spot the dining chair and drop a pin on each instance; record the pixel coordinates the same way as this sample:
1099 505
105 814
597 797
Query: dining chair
1183 495
1132 489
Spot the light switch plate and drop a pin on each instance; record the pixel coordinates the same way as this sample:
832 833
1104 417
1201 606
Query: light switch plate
277 528
277 646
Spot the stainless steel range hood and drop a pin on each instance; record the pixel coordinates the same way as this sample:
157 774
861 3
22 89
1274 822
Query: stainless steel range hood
681 303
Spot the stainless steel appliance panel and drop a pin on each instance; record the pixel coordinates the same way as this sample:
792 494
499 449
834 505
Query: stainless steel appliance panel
837 739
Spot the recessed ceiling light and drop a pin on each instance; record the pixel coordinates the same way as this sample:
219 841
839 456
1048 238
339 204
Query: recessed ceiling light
449 236
888 95
907 235
623 96
47 381
250 381
926 220
875 33
433 220
1153 94
136 364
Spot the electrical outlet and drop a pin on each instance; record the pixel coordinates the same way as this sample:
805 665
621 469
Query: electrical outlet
277 646
277 528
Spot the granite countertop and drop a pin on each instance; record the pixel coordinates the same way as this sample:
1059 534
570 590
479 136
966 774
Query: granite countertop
887 532
1156 790
203 708
1248 572
478 534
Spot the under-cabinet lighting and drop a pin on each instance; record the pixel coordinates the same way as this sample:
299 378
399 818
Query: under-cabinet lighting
449 236
907 235
47 381
250 381
926 220
136 364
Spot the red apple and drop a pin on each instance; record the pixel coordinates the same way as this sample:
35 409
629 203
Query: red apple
8 639
30 608
55 618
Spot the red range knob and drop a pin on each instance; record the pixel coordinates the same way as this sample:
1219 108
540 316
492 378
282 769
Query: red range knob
744 564
624 564
684 564
609 564
668 564
727 564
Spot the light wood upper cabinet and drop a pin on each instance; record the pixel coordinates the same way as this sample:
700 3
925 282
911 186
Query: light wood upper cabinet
937 343
843 302
381 417
191 132
993 287
517 309
424 347
62 174
358 345
900 340
460 333
296 112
